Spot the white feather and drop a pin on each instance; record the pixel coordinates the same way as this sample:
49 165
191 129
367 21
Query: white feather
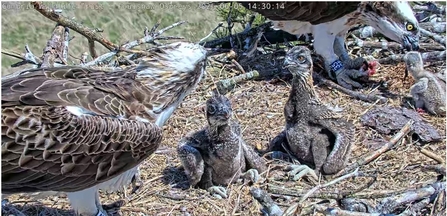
404 8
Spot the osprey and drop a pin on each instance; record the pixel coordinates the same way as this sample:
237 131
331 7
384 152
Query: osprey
330 21
77 130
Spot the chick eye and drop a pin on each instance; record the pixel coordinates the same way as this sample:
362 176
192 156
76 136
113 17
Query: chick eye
301 59
410 27
211 109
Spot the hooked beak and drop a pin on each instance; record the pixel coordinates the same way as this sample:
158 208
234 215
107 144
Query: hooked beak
411 42
288 63
225 114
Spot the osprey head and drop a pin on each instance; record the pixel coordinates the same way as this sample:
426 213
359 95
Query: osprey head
394 19
218 110
414 63
299 61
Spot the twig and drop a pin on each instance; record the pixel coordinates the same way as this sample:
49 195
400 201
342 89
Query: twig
228 84
212 32
91 48
55 47
371 98
437 27
426 57
293 208
385 45
389 204
414 209
335 211
432 155
87 32
373 155
270 207
66 43
440 169
437 38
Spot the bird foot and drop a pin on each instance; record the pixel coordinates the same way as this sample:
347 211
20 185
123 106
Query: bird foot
358 69
218 192
252 175
137 182
298 171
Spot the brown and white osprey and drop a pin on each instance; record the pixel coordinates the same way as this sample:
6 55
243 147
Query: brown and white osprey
330 21
77 130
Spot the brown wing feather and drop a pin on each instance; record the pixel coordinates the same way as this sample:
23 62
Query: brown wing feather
313 12
103 93
48 148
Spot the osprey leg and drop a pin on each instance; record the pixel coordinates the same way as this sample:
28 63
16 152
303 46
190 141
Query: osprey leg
84 205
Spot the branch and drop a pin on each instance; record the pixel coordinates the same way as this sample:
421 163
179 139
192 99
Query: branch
90 34
373 155
390 204
227 84
437 38
55 47
426 57
385 45
371 98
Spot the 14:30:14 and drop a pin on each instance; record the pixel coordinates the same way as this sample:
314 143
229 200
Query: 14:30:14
265 5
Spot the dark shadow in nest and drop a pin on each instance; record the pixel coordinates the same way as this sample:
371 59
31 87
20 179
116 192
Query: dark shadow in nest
33 209
175 176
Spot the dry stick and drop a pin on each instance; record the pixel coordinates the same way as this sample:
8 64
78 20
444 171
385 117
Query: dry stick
55 47
389 204
391 45
416 207
371 98
373 155
437 38
87 32
211 33
146 39
440 169
228 84
293 208
310 210
437 27
432 155
26 58
91 48
426 57
66 43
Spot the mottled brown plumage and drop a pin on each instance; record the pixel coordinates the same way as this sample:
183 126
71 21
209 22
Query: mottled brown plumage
314 133
218 155
77 130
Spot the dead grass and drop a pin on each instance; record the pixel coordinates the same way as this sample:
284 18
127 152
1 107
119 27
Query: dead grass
258 105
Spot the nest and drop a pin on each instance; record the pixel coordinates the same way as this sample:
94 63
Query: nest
258 105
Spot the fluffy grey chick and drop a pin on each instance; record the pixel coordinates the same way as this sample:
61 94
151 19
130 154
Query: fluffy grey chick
217 155
313 133
429 91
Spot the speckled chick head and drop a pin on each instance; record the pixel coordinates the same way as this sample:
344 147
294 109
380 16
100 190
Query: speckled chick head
414 63
218 110
299 61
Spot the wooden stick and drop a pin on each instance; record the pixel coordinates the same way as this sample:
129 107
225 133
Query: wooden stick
373 155
426 57
87 32
432 155
55 47
371 98
437 38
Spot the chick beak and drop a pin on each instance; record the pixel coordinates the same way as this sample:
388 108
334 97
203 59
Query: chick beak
287 63
411 43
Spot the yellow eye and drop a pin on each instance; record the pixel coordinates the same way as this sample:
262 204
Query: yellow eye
410 27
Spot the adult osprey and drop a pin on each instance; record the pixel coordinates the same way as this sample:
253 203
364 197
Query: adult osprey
77 130
330 21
